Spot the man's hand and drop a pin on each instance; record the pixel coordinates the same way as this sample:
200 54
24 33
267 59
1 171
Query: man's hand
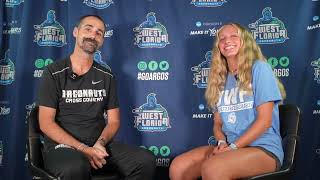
96 156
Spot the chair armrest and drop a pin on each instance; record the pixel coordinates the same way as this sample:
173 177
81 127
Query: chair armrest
282 174
39 172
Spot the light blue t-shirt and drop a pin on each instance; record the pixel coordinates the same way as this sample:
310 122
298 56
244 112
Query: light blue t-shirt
238 109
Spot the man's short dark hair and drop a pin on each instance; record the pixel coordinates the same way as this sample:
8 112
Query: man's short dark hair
89 15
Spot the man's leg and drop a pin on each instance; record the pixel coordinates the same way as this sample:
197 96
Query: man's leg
133 163
68 164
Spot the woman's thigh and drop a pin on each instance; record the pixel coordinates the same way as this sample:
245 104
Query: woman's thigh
241 163
189 163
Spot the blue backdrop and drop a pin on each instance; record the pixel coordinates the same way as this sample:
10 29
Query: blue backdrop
157 49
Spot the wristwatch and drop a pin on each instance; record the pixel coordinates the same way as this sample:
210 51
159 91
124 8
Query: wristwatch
233 146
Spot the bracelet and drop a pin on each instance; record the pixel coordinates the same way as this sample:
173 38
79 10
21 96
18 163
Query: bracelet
104 142
221 142
81 147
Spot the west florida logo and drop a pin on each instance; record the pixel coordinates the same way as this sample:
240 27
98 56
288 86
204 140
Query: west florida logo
98 4
98 58
151 116
208 3
201 72
12 3
269 29
50 32
316 64
151 34
7 70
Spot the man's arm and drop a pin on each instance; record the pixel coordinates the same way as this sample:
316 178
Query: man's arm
49 127
111 128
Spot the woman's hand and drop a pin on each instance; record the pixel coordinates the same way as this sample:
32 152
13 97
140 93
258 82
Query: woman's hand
218 149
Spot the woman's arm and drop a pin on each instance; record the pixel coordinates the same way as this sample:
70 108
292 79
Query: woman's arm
217 127
259 126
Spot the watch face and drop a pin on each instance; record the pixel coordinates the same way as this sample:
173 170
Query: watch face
233 146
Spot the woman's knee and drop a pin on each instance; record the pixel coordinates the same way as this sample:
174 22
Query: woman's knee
213 169
177 168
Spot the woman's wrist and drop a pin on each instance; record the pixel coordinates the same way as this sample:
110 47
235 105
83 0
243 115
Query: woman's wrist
220 142
233 146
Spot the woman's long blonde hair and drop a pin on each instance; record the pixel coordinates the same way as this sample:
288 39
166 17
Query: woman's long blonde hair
248 53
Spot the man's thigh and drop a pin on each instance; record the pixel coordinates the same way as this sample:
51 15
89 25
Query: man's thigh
62 160
127 157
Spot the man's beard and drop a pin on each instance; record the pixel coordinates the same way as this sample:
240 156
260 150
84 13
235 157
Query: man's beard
89 46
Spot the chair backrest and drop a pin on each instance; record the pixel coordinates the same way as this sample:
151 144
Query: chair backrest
34 144
290 116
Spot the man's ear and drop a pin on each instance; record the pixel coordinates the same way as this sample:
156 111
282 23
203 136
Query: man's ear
75 31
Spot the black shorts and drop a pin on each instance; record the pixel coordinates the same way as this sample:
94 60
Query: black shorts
278 164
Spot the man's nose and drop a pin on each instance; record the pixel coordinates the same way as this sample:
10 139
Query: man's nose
92 35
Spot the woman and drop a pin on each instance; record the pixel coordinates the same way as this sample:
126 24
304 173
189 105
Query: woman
244 94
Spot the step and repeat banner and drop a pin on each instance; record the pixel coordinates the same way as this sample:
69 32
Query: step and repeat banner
160 53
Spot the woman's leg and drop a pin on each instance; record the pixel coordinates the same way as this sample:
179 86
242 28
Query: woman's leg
188 165
238 163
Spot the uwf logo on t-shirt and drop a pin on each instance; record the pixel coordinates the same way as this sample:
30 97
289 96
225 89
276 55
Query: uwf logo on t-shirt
151 34
269 29
208 3
233 100
50 32
98 4
7 70
151 116
201 72
12 3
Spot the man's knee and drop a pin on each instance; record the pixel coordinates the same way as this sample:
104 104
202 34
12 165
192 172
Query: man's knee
147 159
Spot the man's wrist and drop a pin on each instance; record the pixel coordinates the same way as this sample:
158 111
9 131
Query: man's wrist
81 147
102 141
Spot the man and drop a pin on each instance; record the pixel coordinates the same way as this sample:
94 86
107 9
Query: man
74 95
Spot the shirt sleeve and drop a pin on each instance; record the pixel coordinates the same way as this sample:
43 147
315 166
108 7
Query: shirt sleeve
112 95
265 87
47 92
